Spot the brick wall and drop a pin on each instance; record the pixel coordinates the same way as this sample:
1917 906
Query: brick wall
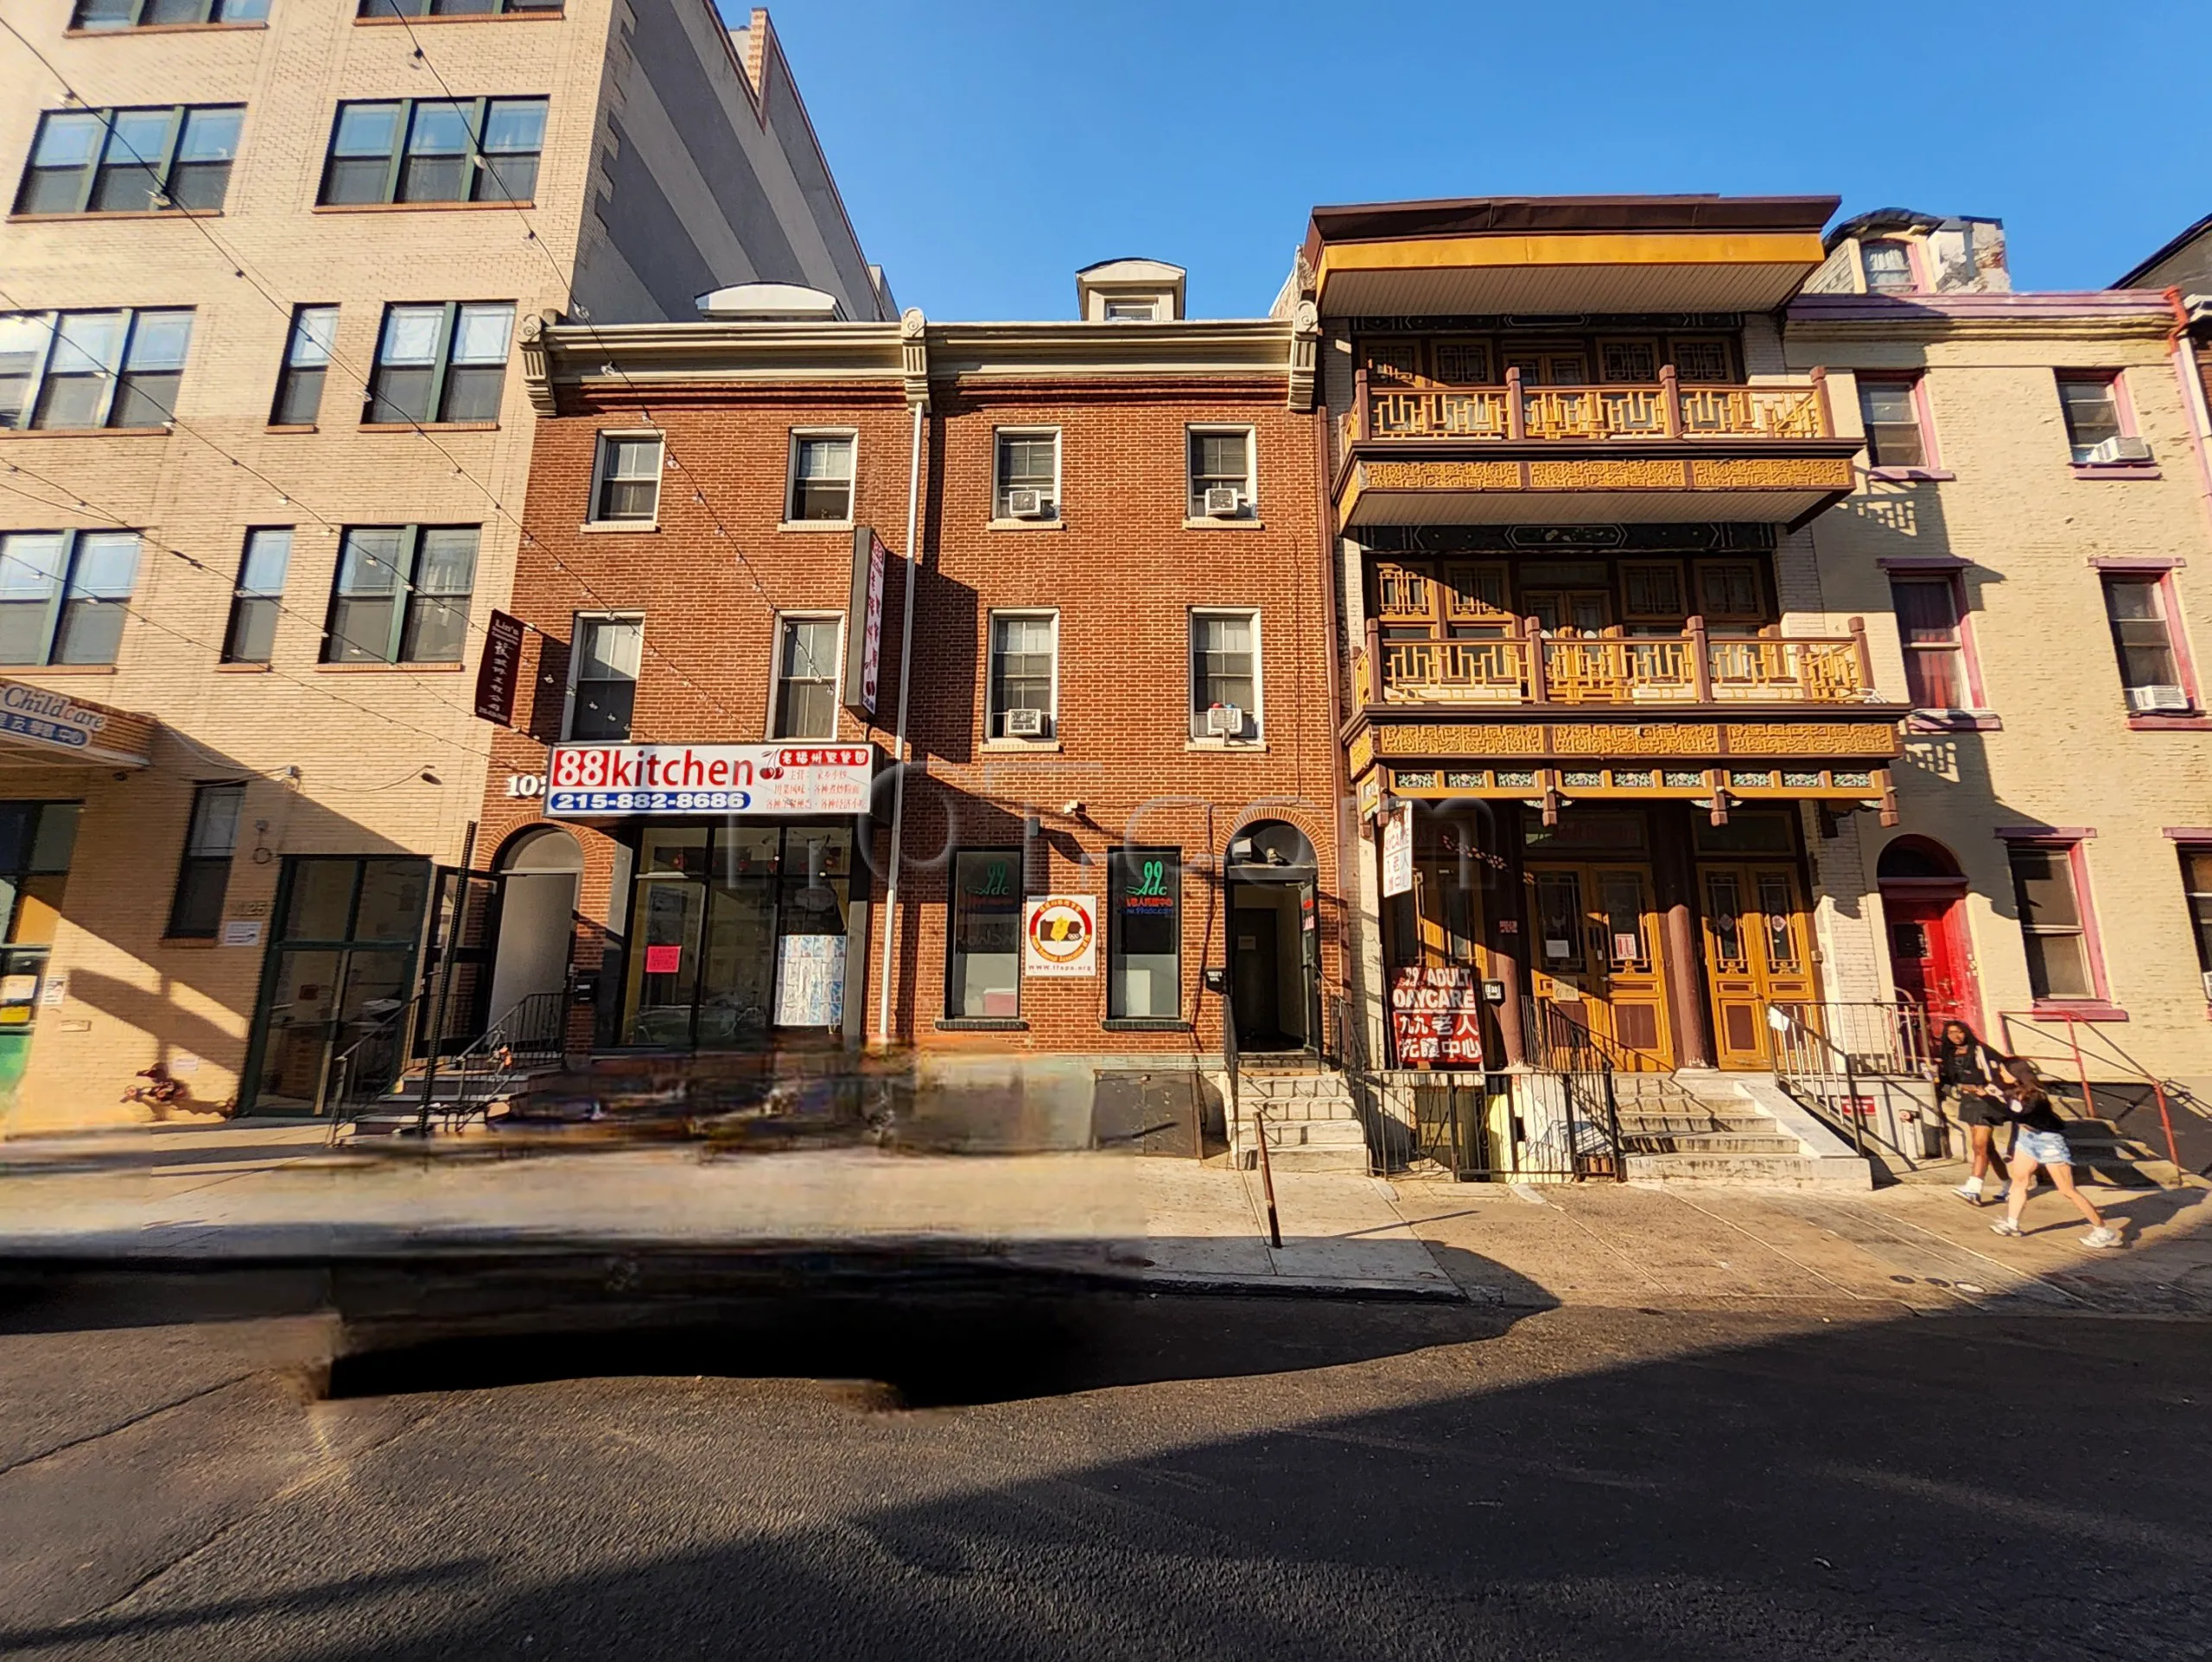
1121 569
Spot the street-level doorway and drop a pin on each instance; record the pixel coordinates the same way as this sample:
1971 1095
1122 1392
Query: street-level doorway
539 871
1758 930
1923 900
739 934
1596 957
1275 961
1594 941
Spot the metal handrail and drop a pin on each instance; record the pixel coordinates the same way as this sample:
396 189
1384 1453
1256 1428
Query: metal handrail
1880 1042
532 1029
1582 1058
2163 1091
348 1066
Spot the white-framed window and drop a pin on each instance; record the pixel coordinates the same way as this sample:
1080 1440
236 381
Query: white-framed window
1220 461
1026 474
1024 699
803 702
1132 311
1225 686
626 480
820 486
605 652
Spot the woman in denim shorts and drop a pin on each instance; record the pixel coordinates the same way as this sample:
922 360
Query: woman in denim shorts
2041 1142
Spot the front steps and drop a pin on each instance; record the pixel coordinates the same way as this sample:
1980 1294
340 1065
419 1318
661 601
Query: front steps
1710 1128
1312 1123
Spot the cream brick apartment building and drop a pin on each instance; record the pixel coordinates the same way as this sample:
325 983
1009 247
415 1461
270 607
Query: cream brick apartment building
245 601
2031 508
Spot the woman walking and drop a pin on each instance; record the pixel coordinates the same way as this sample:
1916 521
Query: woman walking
2041 1142
1966 1072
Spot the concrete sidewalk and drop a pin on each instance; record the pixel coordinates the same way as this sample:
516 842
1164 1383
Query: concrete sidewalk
246 1191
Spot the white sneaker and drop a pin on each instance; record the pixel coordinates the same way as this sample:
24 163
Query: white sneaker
2003 1194
2004 1227
1969 1191
2104 1236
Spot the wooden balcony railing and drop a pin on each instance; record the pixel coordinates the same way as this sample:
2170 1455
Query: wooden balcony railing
1690 668
1780 410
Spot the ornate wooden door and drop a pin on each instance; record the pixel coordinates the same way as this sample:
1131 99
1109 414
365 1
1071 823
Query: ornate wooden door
1595 954
1585 611
1757 951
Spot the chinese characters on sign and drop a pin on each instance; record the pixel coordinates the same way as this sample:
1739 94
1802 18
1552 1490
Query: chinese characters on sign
590 779
864 640
498 670
1060 935
1436 1016
1398 850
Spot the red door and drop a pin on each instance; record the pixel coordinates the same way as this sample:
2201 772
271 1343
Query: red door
1928 958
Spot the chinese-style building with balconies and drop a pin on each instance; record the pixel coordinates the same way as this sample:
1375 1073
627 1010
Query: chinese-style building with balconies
1598 725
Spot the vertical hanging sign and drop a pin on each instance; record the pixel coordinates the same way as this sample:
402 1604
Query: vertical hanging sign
1398 850
864 623
499 670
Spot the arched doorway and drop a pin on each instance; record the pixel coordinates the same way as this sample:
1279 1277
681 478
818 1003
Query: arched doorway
539 871
1274 941
1924 899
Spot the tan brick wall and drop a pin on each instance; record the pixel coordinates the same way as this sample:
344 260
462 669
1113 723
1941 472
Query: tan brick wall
335 756
2066 755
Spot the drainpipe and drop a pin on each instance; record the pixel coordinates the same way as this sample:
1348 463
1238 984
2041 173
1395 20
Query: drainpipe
2192 391
899 748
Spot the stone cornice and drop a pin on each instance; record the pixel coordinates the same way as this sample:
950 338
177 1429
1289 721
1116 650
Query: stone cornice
2099 315
914 353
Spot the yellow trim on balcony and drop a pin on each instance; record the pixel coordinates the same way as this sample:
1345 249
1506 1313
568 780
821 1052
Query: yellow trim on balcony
1589 248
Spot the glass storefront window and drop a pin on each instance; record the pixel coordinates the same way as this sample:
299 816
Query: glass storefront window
734 930
983 976
1145 934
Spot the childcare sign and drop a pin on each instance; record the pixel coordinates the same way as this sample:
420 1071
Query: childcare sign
593 780
34 713
1436 1016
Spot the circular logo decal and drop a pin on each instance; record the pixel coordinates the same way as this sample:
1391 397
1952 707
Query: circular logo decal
1059 930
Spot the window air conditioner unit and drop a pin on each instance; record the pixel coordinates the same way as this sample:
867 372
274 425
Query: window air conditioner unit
2147 698
1027 504
2207 986
1025 723
1223 501
2121 449
1224 722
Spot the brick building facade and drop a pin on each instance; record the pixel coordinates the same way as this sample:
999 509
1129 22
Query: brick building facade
1084 614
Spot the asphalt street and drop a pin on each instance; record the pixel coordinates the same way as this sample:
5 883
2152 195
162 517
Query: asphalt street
390 1462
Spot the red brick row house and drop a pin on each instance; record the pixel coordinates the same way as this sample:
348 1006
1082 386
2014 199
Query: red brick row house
1091 808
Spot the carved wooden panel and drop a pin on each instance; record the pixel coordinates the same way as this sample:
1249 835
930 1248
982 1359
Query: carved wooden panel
1475 593
1838 739
1730 590
1465 363
1402 593
1441 475
1636 739
1652 589
1771 473
1360 754
1603 476
1392 362
1700 358
1464 739
1635 362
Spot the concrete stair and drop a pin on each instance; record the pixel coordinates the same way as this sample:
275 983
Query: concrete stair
1312 1122
1727 1128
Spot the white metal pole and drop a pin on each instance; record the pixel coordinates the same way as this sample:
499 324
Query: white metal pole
898 756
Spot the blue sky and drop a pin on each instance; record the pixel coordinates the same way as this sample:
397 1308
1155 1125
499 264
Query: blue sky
987 150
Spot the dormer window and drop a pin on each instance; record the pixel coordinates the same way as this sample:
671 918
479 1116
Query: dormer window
1132 311
1889 268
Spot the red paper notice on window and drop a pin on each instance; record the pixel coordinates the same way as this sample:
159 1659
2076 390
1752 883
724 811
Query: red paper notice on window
664 960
